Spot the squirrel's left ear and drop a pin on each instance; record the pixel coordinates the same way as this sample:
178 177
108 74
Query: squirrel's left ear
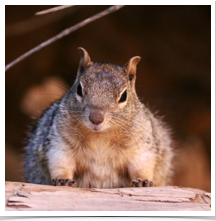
85 60
130 69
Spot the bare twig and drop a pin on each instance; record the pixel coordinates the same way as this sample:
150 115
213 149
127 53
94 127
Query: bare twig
33 23
64 33
53 9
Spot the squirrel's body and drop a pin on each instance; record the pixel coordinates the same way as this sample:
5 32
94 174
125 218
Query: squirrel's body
99 134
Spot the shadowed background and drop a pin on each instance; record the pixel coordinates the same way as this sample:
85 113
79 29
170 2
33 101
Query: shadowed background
173 76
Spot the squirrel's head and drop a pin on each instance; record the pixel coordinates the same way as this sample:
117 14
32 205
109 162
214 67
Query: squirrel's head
103 93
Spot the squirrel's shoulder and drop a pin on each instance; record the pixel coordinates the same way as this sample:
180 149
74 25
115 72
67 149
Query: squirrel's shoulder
43 124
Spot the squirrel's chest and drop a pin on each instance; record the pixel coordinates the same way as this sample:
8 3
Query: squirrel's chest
100 165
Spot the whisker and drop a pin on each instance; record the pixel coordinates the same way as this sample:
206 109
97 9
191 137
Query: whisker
67 72
126 129
139 127
59 86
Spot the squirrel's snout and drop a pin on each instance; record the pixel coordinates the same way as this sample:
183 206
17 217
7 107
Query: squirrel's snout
96 117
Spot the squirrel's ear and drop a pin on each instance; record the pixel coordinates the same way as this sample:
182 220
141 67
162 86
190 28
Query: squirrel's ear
130 69
85 60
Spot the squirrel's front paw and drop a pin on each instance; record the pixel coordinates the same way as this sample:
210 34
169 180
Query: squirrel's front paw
63 182
141 183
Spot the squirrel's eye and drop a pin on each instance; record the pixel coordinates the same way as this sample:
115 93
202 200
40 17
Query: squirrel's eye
79 90
123 97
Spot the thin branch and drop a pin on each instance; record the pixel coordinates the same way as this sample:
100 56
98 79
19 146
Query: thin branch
30 24
64 33
53 9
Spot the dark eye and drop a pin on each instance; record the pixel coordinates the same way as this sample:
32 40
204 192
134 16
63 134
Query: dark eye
79 90
123 97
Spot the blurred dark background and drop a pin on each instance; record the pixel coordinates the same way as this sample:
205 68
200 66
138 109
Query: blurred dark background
174 75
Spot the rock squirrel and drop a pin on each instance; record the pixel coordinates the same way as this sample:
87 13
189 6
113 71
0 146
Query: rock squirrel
99 134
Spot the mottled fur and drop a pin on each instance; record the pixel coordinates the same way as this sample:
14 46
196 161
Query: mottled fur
130 143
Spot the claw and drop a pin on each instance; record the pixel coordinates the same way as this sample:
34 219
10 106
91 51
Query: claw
62 182
141 183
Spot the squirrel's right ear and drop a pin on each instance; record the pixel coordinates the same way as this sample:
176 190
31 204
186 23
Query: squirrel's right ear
130 69
85 60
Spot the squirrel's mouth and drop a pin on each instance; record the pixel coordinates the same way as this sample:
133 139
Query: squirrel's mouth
96 128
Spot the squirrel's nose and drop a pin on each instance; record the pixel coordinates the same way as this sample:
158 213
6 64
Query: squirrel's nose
96 117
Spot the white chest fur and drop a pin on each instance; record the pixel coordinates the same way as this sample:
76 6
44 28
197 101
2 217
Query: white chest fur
100 164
